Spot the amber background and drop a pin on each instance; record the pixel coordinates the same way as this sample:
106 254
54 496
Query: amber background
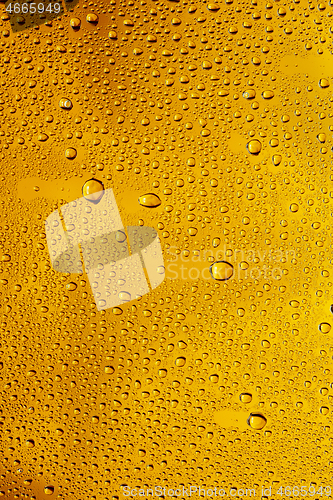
166 99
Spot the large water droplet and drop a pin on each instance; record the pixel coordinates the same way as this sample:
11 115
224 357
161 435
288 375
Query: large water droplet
221 270
109 370
125 296
49 490
75 23
92 18
324 83
149 200
180 361
324 327
245 397
70 153
65 103
254 147
256 421
93 190
294 207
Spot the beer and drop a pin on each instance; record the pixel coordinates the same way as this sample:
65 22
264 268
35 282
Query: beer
187 146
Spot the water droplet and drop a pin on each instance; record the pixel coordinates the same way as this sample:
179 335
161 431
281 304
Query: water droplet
254 147
324 327
321 137
216 242
207 65
71 286
176 21
249 94
267 94
120 236
75 23
150 200
92 18
125 296
276 160
324 410
221 270
30 443
65 103
214 7
109 370
294 207
324 83
245 397
192 231
49 490
70 153
43 137
113 35
180 361
117 311
256 421
190 162
214 378
93 190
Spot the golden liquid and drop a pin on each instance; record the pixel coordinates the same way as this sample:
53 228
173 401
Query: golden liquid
212 124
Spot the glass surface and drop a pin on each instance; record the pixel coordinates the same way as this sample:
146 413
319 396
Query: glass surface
166 257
